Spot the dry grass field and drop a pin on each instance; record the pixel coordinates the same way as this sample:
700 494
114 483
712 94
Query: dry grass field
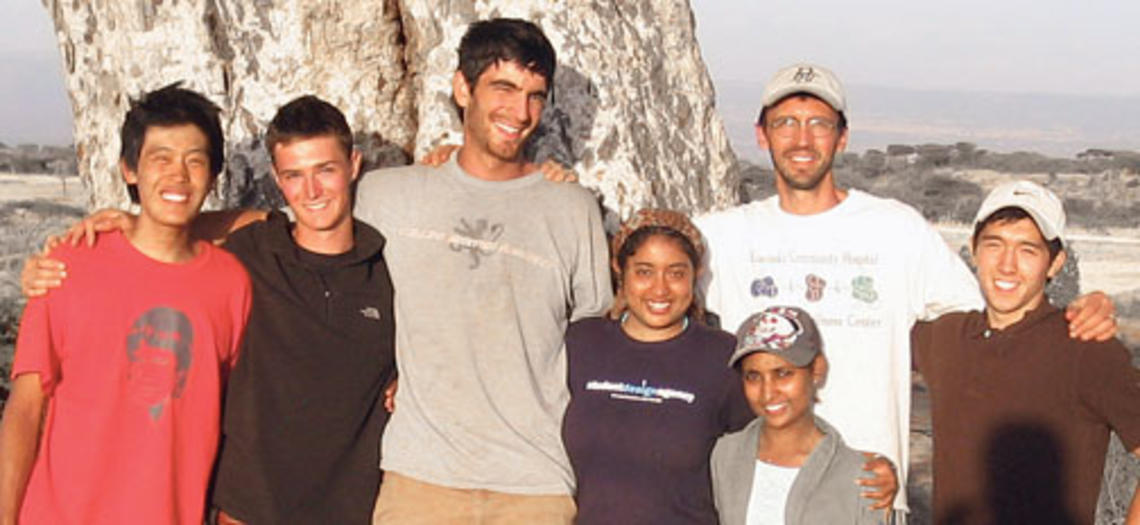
32 207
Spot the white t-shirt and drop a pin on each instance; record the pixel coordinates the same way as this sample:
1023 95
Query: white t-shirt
866 270
770 487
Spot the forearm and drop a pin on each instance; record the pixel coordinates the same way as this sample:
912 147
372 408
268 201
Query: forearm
1134 508
215 226
19 441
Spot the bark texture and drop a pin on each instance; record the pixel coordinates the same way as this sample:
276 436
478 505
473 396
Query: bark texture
632 111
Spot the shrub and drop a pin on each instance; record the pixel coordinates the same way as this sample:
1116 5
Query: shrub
935 155
755 182
873 163
896 150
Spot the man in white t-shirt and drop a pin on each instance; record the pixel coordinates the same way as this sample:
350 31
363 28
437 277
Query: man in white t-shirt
865 267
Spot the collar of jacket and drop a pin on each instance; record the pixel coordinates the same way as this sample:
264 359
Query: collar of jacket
811 473
367 242
813 470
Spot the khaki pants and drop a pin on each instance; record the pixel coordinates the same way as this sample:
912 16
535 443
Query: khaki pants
406 501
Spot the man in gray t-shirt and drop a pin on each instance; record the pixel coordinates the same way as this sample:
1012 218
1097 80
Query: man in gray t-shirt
490 262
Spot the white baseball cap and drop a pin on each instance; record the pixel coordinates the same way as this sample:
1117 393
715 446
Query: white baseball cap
805 78
1041 204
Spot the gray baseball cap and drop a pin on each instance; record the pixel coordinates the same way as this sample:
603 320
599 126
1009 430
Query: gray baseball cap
1041 204
806 78
786 331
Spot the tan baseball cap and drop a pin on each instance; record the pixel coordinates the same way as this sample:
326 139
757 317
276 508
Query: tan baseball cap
1041 204
806 78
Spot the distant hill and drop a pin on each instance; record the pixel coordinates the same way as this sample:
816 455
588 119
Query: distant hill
1100 188
1056 125
34 158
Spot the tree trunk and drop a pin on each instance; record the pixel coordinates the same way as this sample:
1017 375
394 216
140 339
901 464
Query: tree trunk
633 105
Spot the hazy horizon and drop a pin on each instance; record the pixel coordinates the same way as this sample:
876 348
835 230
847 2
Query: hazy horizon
1051 124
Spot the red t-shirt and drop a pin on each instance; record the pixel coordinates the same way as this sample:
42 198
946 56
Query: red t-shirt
133 354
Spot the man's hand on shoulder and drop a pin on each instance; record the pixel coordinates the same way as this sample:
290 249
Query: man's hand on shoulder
439 155
1092 317
216 226
42 273
554 171
102 221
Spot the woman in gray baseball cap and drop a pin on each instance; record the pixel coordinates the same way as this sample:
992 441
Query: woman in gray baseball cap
788 465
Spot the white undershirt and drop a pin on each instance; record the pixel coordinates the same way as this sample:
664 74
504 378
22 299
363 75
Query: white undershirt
770 487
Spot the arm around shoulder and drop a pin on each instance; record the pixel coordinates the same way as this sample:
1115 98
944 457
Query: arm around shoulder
215 226
590 277
1109 387
1092 317
1134 507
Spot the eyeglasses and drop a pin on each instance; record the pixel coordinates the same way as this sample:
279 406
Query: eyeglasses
786 127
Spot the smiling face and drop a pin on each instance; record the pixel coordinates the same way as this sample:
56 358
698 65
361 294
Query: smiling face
315 176
1013 267
802 154
172 176
657 285
780 392
500 111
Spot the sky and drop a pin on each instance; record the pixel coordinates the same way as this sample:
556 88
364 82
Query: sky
985 47
1021 46
33 102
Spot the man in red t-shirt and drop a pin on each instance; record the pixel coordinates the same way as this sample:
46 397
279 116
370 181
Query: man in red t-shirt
114 410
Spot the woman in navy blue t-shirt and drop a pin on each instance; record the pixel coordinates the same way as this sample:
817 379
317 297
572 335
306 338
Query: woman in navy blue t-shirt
650 386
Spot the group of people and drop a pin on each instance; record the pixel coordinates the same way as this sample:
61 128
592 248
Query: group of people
545 375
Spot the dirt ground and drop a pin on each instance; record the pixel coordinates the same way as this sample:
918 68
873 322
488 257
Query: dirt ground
17 187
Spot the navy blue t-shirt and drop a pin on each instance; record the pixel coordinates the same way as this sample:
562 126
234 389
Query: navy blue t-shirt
643 419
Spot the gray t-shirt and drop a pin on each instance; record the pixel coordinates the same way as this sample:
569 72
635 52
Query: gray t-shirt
487 276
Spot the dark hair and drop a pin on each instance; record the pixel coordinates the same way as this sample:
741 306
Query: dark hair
840 125
1011 214
643 234
489 42
172 105
306 117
